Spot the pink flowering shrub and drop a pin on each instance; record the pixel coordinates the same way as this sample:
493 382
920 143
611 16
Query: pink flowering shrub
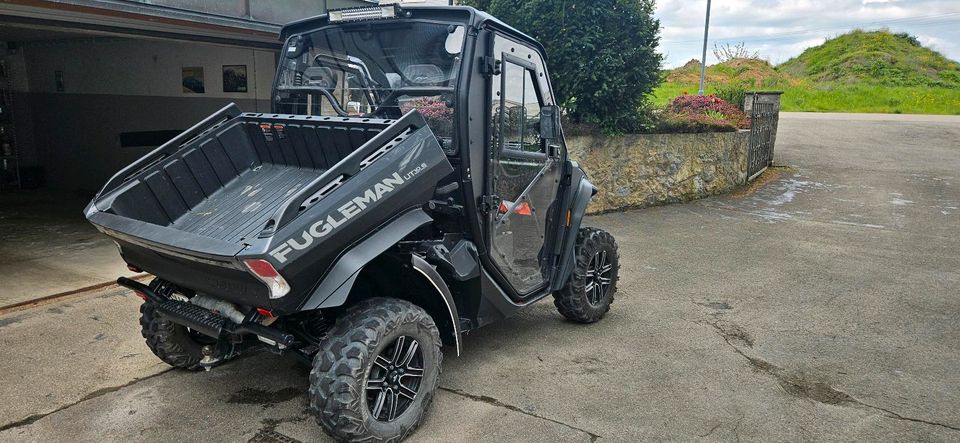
435 112
702 113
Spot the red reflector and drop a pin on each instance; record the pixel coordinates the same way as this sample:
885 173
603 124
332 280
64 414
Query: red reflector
262 268
521 209
133 268
524 209
141 295
265 313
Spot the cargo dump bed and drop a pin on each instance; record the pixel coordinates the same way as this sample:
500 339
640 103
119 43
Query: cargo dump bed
232 173
241 208
231 183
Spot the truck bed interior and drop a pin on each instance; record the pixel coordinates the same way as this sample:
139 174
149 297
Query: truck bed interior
228 181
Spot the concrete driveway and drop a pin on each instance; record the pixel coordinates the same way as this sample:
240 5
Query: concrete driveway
822 303
48 248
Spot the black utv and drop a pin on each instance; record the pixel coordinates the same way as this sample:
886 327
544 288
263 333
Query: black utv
411 185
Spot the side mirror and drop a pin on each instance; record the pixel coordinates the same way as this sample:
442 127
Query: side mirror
550 122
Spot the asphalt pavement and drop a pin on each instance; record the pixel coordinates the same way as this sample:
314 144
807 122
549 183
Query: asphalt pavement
821 303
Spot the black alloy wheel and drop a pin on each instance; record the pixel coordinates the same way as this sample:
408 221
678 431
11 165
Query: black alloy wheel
599 278
394 379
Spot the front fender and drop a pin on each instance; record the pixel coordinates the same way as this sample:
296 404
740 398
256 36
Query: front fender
584 192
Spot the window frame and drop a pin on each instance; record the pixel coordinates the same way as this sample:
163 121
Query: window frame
529 68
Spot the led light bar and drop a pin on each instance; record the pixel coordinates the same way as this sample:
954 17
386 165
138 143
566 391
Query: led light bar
266 273
365 13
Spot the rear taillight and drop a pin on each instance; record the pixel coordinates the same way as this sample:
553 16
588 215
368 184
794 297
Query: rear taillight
265 312
265 271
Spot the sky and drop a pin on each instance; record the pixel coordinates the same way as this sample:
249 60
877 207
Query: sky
781 29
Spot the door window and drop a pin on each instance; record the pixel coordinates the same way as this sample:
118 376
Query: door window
521 110
518 133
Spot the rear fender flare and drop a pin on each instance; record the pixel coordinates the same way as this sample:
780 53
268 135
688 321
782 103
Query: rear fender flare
335 287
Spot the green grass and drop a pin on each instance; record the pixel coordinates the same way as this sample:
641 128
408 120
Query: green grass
830 97
876 72
666 92
874 99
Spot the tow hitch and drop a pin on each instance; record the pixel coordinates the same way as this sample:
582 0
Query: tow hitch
206 322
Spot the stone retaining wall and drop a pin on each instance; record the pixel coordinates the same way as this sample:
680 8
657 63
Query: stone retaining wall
634 171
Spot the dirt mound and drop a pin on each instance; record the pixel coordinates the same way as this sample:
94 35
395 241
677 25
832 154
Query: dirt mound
749 71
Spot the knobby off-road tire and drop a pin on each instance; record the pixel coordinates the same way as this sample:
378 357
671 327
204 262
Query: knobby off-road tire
169 341
342 370
597 267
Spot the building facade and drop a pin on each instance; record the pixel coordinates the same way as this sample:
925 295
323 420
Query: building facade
90 85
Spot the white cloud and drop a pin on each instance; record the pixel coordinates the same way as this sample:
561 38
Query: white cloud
781 29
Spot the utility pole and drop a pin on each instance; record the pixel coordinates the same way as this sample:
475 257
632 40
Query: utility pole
703 61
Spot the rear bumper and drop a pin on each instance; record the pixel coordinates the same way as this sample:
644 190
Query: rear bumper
205 321
225 279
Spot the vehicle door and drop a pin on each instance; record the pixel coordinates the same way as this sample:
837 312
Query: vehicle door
524 172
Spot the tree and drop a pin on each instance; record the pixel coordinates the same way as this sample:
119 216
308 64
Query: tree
727 52
602 54
483 5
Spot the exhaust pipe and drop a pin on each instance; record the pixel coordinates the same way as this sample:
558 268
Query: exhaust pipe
141 288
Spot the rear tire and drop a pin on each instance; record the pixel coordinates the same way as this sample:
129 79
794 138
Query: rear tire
171 342
366 384
587 296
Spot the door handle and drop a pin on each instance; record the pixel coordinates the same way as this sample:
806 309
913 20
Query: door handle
553 150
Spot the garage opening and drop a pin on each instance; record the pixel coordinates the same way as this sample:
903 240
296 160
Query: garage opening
82 97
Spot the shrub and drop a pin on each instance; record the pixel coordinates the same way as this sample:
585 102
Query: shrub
734 93
708 113
909 38
695 105
435 111
675 123
602 54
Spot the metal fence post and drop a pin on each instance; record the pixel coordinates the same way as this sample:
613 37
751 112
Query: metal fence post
703 61
763 107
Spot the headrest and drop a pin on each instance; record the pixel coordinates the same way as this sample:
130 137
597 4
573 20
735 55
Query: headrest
321 76
424 74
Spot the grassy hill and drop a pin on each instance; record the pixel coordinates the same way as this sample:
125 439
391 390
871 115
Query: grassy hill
740 70
856 72
879 58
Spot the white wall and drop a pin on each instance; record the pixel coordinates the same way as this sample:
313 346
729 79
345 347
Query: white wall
120 85
119 66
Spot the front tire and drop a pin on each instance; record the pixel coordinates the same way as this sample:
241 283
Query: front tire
376 373
587 296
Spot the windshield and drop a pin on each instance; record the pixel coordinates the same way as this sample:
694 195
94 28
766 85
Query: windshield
381 70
